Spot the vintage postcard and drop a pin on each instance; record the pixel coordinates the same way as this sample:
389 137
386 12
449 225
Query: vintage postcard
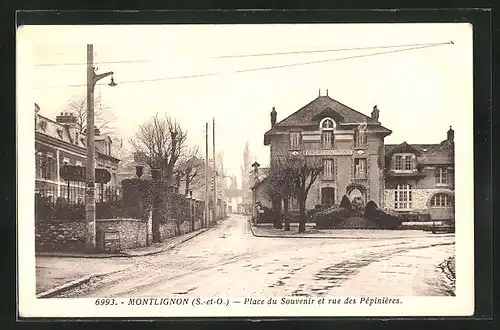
265 170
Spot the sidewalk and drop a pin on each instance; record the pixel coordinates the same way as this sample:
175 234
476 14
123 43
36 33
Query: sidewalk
267 230
56 272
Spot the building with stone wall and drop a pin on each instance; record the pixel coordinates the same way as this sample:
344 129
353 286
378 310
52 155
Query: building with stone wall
348 143
420 178
411 179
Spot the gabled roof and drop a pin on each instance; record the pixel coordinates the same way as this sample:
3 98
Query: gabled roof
325 106
404 148
305 115
437 153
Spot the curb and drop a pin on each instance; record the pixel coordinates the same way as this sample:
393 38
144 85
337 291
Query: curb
96 256
64 287
201 231
325 237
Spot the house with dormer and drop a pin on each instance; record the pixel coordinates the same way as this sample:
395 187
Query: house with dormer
349 143
419 178
60 142
414 179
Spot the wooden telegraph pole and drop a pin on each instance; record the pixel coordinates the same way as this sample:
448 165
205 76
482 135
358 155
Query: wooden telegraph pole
92 79
206 176
214 173
90 243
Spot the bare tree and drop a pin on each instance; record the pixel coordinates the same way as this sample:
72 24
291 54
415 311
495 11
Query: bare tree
160 142
189 168
293 176
103 117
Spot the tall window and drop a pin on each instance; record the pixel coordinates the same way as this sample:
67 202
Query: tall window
50 167
295 140
39 164
399 162
359 138
441 175
328 169
327 138
408 163
360 168
441 200
402 197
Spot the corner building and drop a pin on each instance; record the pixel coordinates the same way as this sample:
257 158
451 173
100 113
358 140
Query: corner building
409 179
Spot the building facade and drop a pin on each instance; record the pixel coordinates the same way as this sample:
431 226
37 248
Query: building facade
357 163
59 143
234 197
420 178
348 143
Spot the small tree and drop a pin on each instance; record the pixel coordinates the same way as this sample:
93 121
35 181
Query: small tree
296 175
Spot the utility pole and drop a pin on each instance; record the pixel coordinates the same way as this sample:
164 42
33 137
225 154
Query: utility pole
92 78
206 175
215 173
90 242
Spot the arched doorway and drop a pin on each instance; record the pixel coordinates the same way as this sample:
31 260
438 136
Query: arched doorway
356 191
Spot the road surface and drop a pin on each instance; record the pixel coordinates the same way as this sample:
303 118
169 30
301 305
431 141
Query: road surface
228 260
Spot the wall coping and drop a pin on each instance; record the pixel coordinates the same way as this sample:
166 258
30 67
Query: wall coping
120 219
97 220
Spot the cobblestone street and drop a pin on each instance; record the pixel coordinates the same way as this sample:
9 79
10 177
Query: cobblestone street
228 260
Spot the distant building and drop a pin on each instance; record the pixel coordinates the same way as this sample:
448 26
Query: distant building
61 142
234 197
357 163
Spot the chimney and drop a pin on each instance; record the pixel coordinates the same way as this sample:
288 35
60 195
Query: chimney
67 118
450 135
375 113
96 131
273 117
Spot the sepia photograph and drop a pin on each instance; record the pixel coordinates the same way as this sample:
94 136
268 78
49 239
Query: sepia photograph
245 170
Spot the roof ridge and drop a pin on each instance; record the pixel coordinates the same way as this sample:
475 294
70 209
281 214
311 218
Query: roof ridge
296 111
348 107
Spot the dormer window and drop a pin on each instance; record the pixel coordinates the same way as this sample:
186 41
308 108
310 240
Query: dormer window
403 162
327 127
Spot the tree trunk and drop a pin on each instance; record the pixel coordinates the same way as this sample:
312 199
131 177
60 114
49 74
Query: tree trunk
187 185
278 222
302 208
286 202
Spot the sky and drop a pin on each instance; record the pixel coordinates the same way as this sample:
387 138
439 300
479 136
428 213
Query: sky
419 92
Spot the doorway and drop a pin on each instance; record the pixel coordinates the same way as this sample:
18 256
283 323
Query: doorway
327 197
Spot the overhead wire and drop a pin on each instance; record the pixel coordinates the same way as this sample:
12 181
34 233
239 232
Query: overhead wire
262 68
326 50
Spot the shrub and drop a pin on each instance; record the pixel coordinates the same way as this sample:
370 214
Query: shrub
345 202
381 218
330 218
